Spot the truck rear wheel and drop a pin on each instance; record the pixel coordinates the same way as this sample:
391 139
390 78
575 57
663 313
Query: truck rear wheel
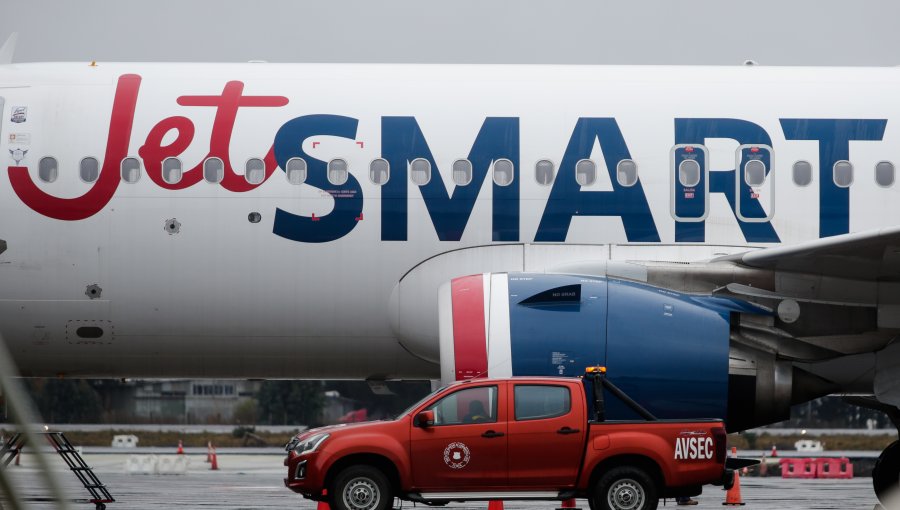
625 488
361 488
886 475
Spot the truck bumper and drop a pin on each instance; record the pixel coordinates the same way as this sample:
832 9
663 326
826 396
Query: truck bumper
305 474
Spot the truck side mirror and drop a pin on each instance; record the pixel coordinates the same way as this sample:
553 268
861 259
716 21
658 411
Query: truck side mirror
424 419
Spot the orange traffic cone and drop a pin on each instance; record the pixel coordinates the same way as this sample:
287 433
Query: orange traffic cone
180 448
568 504
774 452
733 496
495 504
214 461
323 506
208 451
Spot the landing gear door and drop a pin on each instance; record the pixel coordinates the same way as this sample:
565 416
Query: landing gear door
690 183
754 192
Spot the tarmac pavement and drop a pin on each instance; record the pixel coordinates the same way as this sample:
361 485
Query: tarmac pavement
254 481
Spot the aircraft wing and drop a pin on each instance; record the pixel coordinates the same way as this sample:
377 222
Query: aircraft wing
871 256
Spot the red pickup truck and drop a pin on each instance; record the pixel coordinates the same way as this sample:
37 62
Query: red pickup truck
517 438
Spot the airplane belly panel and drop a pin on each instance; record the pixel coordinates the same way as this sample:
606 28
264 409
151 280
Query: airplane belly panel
219 357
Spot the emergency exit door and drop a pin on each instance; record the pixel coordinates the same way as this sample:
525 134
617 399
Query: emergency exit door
754 191
689 174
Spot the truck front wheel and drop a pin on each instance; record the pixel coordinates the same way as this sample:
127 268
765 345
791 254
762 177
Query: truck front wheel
361 488
625 488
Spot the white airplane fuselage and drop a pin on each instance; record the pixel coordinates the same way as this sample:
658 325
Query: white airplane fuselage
186 285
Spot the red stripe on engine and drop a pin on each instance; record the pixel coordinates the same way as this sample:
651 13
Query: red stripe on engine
469 344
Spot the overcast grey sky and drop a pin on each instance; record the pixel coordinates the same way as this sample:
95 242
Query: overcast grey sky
775 32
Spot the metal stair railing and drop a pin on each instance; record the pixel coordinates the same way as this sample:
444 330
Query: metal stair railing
99 494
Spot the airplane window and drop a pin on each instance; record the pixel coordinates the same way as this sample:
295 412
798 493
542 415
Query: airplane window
462 172
503 172
420 171
843 174
627 172
755 172
255 171
213 170
131 170
89 169
543 172
884 174
48 169
689 173
585 172
171 168
802 173
379 171
296 171
338 172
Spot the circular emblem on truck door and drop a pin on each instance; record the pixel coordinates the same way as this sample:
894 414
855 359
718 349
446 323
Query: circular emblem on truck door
456 455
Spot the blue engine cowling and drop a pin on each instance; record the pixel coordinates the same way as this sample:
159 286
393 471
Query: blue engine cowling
667 350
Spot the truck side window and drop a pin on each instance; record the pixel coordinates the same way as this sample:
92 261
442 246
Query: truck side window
534 402
471 405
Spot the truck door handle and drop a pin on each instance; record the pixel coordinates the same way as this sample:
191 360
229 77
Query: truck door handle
567 430
491 433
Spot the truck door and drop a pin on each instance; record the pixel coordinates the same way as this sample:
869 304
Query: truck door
465 450
546 435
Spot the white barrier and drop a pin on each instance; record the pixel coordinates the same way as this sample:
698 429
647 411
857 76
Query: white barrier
156 465
141 465
125 441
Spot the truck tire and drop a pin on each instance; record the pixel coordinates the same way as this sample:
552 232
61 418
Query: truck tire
625 488
886 475
361 488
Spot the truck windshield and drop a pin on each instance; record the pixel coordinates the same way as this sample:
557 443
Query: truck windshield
422 400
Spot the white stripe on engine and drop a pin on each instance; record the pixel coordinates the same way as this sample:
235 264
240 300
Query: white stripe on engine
445 333
499 351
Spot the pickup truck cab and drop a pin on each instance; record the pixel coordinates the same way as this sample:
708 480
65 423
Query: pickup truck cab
516 438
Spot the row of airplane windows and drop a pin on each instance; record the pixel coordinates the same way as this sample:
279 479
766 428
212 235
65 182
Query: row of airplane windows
689 171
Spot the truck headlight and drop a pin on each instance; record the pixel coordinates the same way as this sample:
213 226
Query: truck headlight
310 444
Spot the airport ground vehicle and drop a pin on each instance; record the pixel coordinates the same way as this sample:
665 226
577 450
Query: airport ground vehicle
514 438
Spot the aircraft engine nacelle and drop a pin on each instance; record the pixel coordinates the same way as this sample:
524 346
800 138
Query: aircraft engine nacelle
667 350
